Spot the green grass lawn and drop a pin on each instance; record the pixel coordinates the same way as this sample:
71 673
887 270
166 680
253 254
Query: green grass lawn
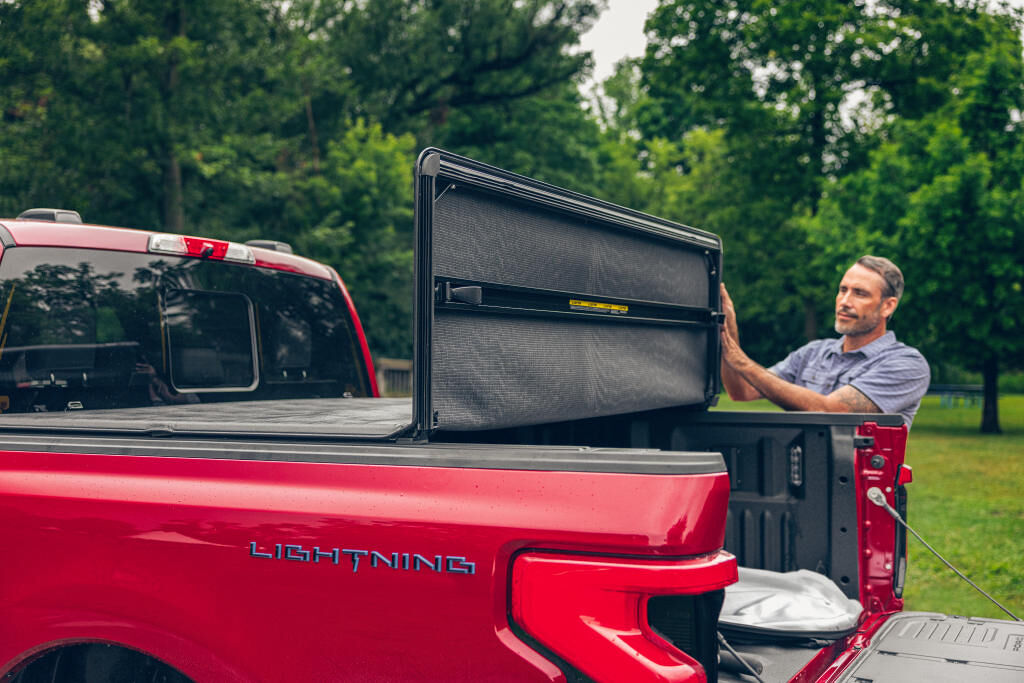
967 501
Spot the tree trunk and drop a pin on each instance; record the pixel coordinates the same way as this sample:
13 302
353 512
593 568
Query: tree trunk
311 124
174 203
810 320
990 392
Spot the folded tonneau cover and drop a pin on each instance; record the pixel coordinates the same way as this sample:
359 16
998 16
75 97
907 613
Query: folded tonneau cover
922 646
537 304
357 418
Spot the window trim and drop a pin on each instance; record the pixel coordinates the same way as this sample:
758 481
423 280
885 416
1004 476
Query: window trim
253 341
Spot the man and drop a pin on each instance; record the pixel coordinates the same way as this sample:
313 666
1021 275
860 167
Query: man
864 371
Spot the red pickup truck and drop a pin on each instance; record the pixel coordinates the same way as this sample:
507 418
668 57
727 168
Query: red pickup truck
199 482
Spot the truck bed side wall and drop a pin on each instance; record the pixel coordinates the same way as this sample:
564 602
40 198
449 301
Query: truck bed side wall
793 478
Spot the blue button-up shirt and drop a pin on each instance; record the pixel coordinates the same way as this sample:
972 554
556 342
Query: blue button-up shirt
893 375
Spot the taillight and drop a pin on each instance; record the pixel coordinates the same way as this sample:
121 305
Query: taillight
218 250
593 613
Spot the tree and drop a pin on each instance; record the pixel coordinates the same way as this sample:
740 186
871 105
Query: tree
40 47
413 62
493 79
547 136
779 80
357 215
286 119
946 196
116 114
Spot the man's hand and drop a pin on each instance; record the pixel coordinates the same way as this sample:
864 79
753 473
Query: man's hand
732 353
730 312
733 357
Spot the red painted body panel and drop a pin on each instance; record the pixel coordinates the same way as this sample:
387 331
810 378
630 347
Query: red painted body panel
593 613
877 530
45 234
154 553
876 535
851 648
876 543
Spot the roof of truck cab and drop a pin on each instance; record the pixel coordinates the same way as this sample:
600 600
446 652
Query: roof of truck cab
28 233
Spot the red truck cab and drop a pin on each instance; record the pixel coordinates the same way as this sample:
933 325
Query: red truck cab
109 317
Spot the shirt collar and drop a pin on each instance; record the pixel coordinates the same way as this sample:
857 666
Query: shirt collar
872 349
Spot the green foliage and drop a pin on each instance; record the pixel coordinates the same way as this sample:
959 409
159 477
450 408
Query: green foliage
362 199
943 197
547 136
37 113
965 501
412 62
779 80
292 120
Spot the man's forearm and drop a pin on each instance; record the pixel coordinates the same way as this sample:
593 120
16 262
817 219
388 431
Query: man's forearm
845 399
779 391
738 388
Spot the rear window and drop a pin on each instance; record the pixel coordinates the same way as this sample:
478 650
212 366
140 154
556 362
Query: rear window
95 329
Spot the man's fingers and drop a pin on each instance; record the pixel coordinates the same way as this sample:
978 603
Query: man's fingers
727 305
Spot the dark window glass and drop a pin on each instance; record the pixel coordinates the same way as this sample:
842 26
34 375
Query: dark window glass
104 329
211 340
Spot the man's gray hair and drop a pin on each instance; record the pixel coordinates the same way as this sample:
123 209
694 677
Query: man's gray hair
890 274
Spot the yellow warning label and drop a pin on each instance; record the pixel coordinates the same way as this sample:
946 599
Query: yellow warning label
597 307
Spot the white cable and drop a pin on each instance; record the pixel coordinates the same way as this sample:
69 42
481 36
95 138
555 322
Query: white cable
876 496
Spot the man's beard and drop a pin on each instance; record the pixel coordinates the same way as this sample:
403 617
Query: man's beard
860 325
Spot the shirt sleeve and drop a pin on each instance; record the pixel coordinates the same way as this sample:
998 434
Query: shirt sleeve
789 367
897 382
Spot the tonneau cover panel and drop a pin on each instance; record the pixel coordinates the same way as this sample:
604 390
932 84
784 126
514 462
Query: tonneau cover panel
535 303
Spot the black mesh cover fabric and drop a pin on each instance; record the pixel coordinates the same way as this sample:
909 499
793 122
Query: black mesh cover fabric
493 370
504 371
497 239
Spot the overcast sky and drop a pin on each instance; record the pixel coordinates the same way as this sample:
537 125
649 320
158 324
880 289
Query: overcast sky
618 33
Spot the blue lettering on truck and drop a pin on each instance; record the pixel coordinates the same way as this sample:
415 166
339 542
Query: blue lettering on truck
442 564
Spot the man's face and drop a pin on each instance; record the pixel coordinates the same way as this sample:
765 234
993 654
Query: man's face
860 306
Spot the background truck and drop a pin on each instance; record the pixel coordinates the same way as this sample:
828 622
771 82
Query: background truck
197 480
